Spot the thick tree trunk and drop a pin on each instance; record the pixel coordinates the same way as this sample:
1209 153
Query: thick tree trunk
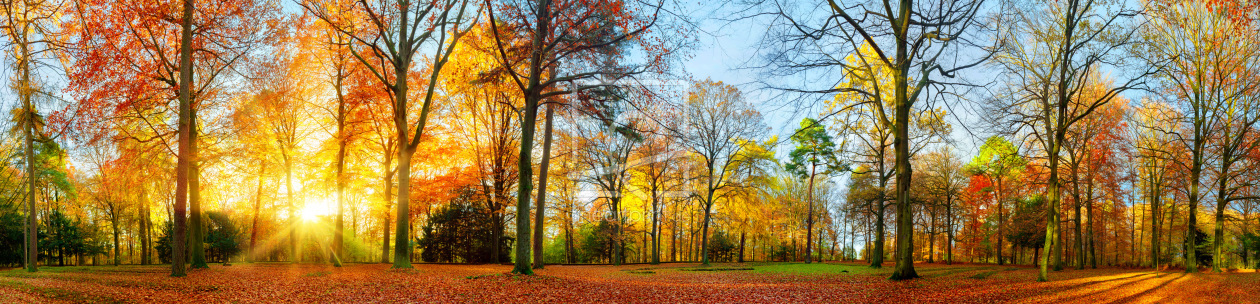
145 228
704 234
932 237
185 139
338 244
113 222
32 224
541 211
656 230
1089 228
618 249
1221 201
253 227
1196 172
1053 251
1001 218
388 196
294 256
876 254
741 247
402 245
525 170
1079 246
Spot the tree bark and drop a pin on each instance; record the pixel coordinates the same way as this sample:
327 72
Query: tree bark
809 220
533 95
338 244
388 196
253 227
185 138
904 267
197 234
540 212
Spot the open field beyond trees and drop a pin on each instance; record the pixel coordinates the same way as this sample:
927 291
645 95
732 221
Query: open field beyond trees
666 283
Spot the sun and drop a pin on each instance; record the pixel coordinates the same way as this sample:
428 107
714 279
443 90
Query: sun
315 209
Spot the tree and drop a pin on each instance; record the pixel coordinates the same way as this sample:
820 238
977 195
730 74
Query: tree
134 58
1151 141
222 236
1206 57
718 124
573 46
463 231
946 179
33 27
814 149
998 160
385 37
863 106
1051 57
658 174
487 118
606 148
908 37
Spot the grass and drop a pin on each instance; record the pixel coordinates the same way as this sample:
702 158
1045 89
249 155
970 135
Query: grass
816 268
719 268
983 275
59 294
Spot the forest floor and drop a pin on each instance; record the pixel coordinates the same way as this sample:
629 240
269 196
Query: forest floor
666 283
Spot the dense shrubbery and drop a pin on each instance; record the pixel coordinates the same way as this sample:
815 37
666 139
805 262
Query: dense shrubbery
462 231
222 238
11 235
61 238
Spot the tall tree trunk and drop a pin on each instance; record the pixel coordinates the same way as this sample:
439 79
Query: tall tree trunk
1079 245
618 250
1155 222
1001 218
704 234
338 244
876 255
197 234
146 227
1221 202
253 227
656 229
25 92
402 246
1053 250
541 211
1089 229
185 140
525 170
932 237
1196 172
113 223
1220 227
294 255
949 229
673 238
809 220
904 267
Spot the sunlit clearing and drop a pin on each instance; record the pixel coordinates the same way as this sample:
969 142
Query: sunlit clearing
314 209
